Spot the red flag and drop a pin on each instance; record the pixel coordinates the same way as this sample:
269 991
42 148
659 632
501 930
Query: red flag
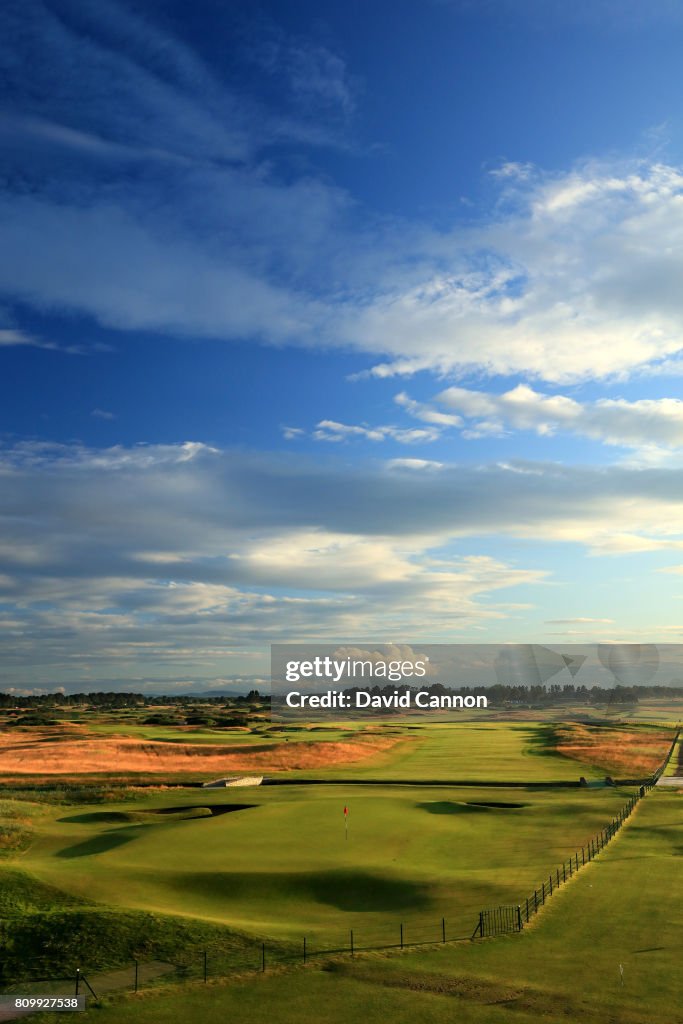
346 812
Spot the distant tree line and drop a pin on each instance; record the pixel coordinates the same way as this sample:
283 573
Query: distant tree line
116 700
501 695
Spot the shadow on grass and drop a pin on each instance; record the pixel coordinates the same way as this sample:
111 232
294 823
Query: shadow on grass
467 807
348 891
99 844
184 812
540 740
101 818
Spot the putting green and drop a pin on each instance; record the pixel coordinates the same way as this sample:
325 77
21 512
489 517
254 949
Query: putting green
284 867
607 948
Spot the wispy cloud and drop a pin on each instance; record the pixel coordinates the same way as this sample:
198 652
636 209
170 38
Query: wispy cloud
332 430
581 620
222 241
11 337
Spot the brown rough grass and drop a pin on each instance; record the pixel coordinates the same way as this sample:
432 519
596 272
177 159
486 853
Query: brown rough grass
46 751
638 752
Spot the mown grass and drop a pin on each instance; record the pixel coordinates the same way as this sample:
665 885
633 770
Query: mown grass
473 752
675 763
621 912
284 867
430 751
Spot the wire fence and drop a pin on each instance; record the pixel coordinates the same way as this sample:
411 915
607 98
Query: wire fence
47 973
38 975
512 918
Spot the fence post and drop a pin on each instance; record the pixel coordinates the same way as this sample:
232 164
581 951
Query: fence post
136 975
519 919
543 890
557 871
481 924
352 942
550 879
583 857
401 936
443 929
571 868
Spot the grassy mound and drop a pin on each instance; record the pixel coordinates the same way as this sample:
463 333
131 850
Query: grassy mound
21 893
93 939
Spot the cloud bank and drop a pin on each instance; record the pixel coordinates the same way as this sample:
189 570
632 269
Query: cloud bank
179 555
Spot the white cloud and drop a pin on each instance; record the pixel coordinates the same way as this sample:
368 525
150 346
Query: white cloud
414 464
581 620
648 424
427 413
173 556
572 276
331 430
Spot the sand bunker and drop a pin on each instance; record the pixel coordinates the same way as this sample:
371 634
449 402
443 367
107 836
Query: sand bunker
46 751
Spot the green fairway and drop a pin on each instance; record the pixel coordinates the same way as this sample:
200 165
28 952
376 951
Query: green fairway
164 873
621 912
477 752
674 767
231 737
284 868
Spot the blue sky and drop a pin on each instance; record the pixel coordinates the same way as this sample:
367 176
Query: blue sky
335 322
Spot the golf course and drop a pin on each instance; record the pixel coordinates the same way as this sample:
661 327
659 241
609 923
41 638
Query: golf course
387 848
